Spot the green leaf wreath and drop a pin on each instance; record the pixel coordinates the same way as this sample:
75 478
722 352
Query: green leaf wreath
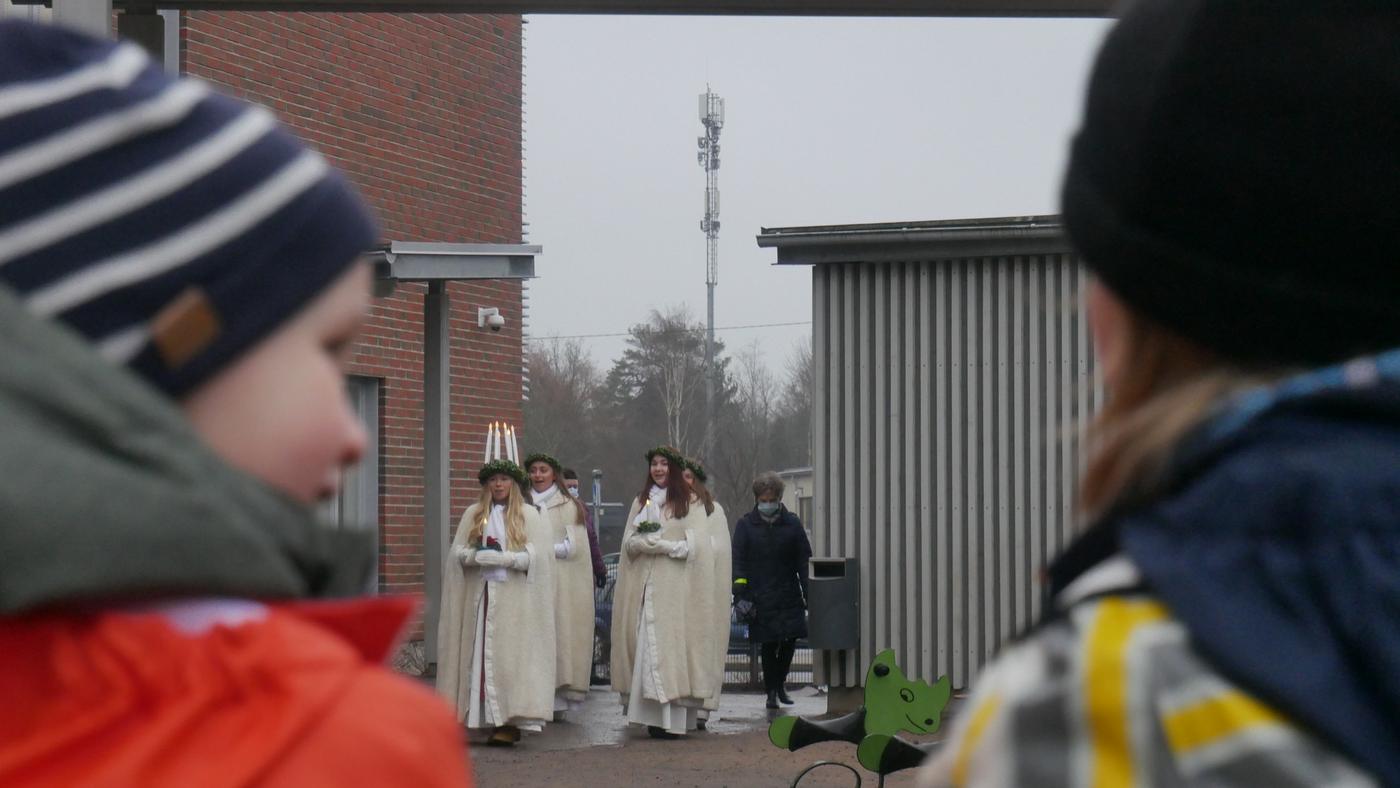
501 466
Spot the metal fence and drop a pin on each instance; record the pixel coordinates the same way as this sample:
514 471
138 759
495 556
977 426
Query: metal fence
742 670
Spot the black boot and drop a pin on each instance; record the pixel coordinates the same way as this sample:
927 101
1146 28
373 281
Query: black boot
784 664
657 732
772 699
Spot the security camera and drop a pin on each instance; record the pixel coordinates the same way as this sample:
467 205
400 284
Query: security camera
490 317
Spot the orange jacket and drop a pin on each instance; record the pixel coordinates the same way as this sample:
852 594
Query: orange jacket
290 694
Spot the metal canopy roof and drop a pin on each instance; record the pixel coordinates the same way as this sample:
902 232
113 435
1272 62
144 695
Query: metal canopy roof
983 8
426 262
903 241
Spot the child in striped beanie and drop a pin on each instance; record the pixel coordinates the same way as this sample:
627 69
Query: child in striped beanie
179 284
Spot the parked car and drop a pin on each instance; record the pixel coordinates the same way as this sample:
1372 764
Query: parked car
602 626
602 623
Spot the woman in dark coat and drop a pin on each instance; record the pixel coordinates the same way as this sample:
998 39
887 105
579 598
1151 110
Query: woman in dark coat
770 570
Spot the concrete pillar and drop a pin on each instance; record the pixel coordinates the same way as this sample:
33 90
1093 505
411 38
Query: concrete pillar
844 700
436 479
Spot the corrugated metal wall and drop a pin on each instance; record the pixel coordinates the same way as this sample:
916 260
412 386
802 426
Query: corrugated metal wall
949 396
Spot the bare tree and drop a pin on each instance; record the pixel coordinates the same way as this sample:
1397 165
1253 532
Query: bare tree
564 383
794 411
655 393
745 446
666 356
677 383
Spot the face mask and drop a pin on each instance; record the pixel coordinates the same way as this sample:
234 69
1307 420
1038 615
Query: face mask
768 509
572 491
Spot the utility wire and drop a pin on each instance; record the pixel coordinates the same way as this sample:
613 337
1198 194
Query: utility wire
700 330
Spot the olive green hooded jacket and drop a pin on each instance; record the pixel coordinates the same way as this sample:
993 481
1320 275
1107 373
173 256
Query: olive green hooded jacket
108 496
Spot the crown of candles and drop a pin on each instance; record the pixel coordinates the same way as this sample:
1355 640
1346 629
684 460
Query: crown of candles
501 443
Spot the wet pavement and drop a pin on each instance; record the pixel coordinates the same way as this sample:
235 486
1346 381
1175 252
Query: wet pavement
600 722
596 747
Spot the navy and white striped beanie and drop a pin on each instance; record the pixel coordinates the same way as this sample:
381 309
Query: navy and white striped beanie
172 226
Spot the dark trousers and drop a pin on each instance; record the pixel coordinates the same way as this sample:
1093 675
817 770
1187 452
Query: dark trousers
777 659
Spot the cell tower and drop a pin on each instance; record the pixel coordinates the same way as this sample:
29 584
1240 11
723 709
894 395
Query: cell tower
712 118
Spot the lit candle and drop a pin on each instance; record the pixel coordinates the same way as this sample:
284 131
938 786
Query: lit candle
495 441
486 450
514 444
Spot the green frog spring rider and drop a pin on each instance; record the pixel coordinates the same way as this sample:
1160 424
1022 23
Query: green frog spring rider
893 704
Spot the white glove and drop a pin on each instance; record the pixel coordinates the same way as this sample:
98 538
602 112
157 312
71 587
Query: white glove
464 556
491 558
519 561
666 547
638 543
680 550
564 549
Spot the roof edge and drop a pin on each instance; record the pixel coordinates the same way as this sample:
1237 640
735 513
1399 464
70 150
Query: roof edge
924 240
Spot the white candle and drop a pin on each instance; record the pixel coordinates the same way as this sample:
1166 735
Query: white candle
495 441
514 444
486 450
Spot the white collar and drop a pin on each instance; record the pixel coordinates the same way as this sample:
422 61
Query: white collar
657 493
496 523
541 497
1113 574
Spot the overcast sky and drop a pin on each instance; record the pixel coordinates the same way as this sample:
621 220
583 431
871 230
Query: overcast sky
828 121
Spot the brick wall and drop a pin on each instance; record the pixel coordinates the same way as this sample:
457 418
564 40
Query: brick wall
423 111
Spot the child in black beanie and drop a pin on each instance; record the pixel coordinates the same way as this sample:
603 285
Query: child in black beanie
1231 615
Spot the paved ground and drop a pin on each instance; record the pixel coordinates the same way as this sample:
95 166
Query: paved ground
597 748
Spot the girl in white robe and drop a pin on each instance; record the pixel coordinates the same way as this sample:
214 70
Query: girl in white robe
662 626
573 581
496 633
718 532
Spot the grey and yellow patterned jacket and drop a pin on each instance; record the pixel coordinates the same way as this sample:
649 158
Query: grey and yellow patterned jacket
1240 629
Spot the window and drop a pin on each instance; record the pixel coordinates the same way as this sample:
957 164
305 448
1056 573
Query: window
357 506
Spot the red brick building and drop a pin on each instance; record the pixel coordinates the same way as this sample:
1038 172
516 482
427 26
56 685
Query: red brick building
423 111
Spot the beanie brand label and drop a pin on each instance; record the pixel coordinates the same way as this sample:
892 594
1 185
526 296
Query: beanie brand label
185 327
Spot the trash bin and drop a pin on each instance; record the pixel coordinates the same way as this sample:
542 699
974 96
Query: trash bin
833 604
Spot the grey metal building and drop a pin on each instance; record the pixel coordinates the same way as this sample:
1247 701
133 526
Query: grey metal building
953 373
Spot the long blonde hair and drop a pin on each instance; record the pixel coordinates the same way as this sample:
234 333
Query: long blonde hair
515 517
1168 386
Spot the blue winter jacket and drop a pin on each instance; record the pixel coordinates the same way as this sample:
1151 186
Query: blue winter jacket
1277 545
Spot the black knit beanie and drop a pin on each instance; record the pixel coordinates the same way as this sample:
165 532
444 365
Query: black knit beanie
172 226
1237 174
